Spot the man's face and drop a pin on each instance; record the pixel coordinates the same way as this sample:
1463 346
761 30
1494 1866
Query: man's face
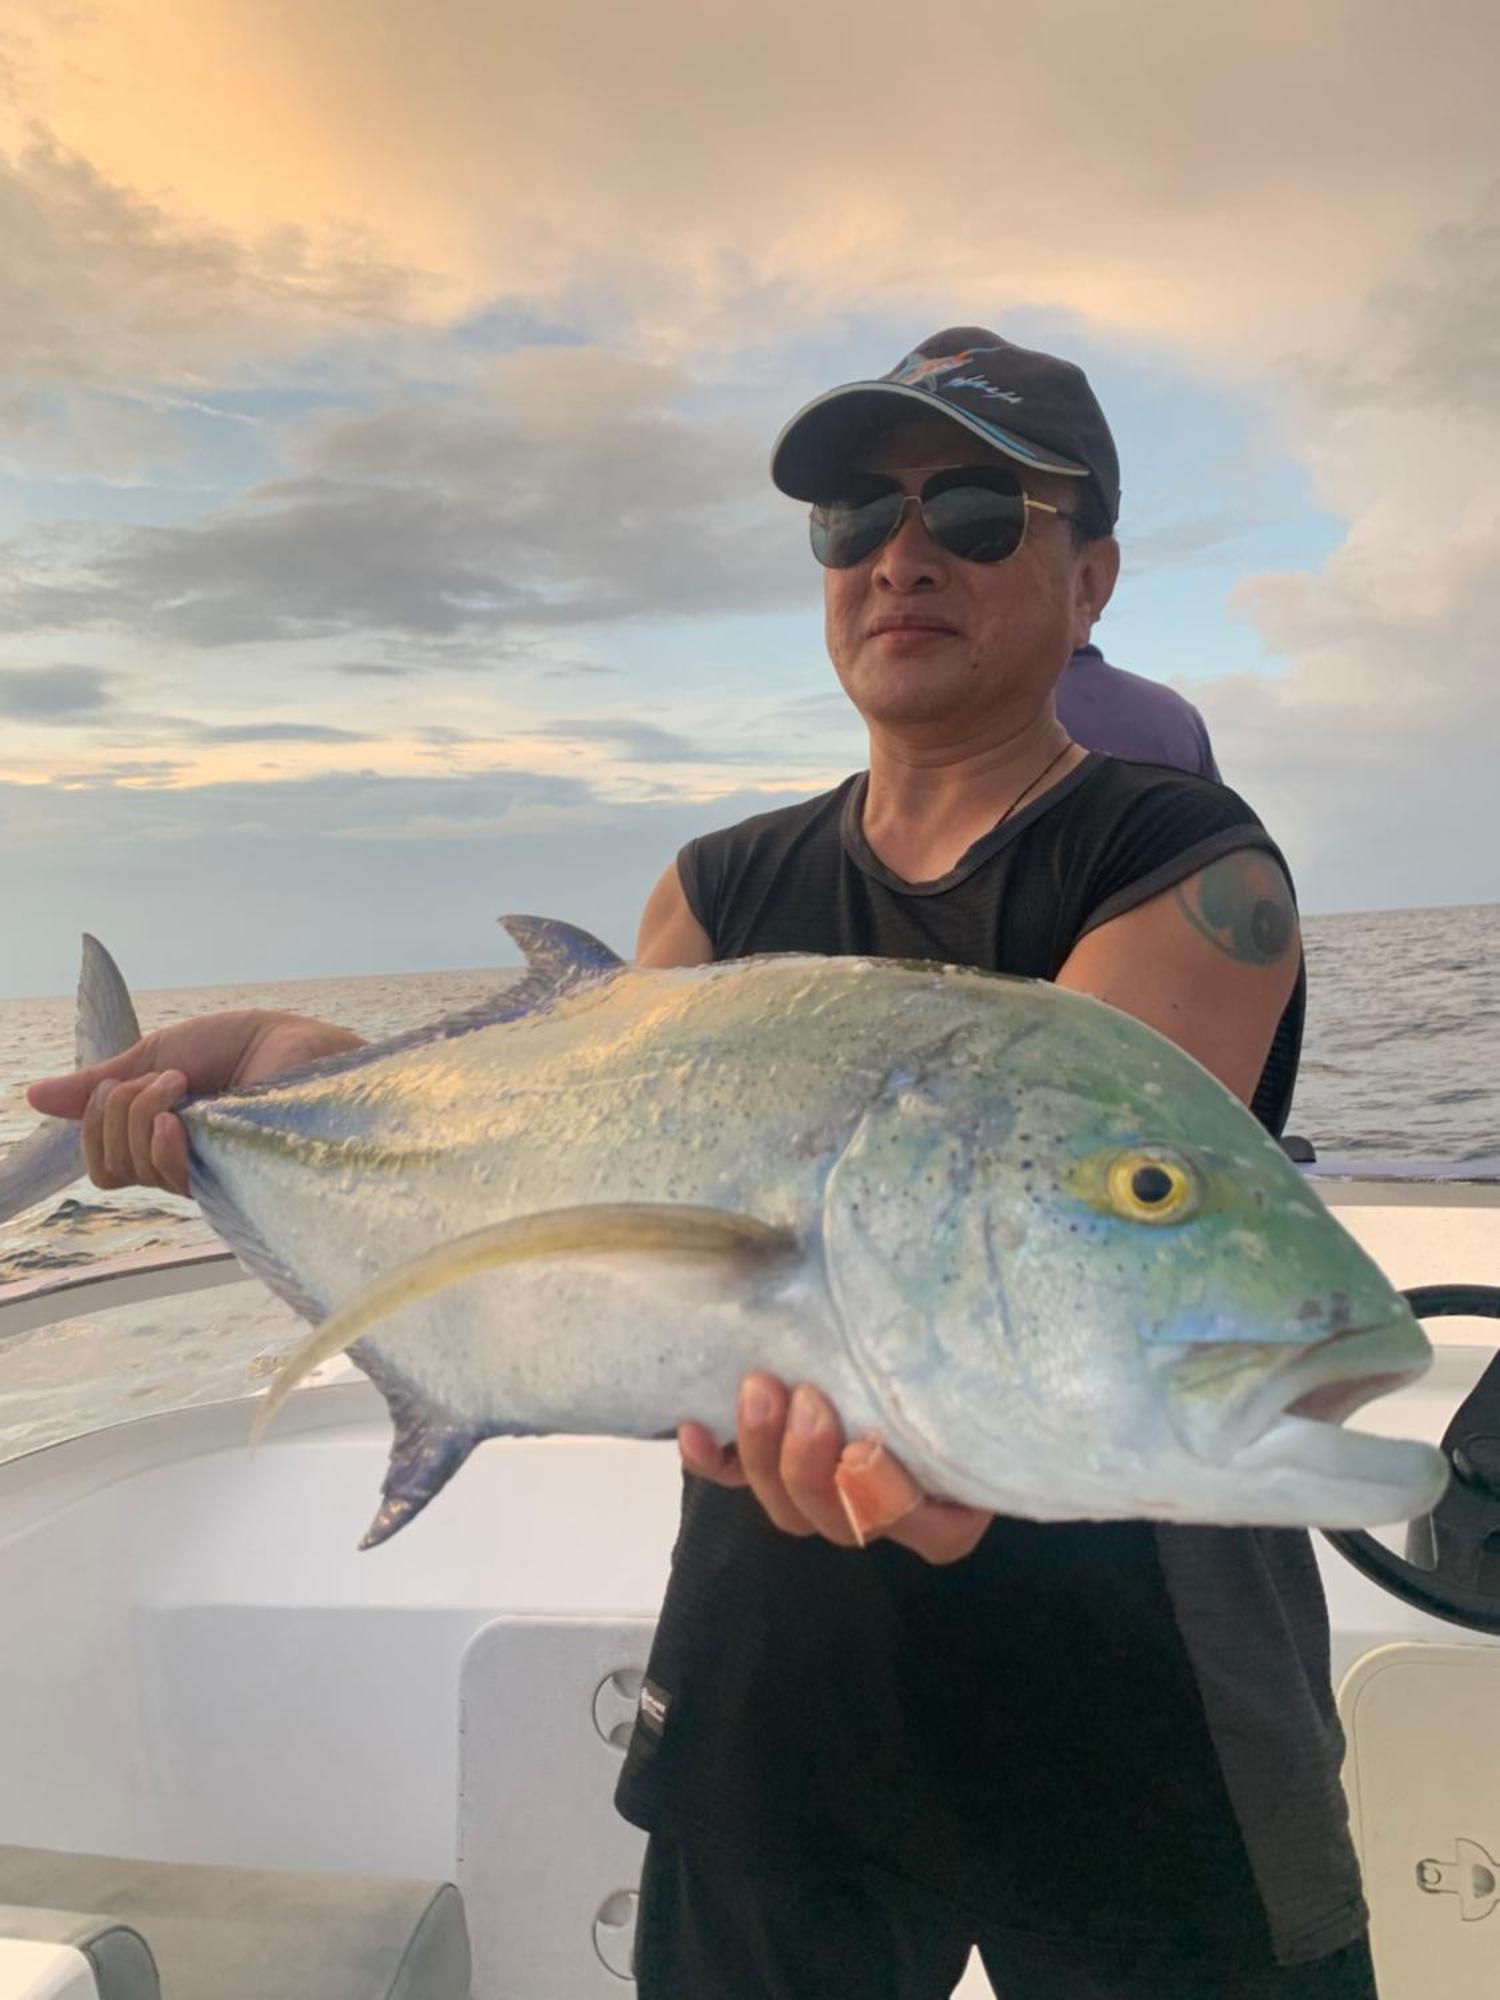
919 636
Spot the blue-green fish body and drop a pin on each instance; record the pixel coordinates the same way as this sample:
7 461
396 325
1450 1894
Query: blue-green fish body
1049 1259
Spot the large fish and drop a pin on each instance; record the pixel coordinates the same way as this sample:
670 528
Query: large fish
1037 1249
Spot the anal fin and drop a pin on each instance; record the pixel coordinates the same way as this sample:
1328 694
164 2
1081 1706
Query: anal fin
428 1446
424 1457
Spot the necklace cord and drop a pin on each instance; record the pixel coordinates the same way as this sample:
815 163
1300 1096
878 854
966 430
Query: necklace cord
1049 766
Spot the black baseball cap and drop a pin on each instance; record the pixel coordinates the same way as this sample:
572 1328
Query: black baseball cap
1032 407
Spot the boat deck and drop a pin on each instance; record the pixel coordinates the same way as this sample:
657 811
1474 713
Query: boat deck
197 1664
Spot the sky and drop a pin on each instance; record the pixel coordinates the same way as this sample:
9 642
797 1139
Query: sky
386 395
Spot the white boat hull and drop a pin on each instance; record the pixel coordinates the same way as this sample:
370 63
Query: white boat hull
196 1664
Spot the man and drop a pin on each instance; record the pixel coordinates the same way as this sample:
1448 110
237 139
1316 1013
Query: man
1105 1752
1125 715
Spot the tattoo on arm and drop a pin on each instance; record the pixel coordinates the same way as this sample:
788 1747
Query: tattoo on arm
1242 905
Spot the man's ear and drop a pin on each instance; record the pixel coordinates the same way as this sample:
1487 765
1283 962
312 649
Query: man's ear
1093 584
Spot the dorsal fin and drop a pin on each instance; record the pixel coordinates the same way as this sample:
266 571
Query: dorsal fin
106 1025
558 957
560 951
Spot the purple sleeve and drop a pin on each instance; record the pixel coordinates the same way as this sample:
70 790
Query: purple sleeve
1207 766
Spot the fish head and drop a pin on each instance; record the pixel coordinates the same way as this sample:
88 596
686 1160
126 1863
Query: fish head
1097 1286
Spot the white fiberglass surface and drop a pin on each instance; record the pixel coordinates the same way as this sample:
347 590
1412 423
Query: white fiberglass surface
203 1666
1427 1234
44 1972
196 1661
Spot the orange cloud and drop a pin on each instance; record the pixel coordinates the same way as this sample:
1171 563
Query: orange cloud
1217 180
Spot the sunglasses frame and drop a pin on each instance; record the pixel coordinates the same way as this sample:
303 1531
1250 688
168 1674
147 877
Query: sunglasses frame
918 500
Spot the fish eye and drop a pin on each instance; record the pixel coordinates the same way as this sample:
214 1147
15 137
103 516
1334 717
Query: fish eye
1152 1187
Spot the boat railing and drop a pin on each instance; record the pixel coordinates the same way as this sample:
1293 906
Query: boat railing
138 1279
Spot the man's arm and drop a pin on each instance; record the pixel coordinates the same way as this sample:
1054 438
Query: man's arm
1210 964
670 934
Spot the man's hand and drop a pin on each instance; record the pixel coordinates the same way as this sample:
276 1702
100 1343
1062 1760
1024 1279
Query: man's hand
791 1454
129 1135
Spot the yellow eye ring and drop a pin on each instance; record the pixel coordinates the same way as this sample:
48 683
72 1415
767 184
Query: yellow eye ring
1151 1187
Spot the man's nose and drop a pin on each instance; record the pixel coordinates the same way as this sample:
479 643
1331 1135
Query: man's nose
910 558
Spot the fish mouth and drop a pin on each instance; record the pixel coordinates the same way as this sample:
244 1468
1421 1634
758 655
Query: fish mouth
1286 1424
1341 1374
1226 1397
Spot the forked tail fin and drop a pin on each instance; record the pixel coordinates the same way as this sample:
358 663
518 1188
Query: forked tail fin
106 1026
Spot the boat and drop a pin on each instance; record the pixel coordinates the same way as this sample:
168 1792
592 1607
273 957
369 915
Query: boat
240 1757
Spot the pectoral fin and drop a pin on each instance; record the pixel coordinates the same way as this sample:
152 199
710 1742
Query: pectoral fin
676 1230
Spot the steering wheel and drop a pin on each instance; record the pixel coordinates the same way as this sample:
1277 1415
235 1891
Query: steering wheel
1451 1568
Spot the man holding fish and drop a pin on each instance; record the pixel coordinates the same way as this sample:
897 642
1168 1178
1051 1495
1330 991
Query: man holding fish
879 1728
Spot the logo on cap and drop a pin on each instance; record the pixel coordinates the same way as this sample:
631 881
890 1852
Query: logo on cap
925 371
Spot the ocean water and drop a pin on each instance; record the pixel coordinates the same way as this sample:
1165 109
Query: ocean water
1401 1061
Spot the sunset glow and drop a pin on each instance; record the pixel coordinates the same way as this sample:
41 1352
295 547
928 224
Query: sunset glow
389 394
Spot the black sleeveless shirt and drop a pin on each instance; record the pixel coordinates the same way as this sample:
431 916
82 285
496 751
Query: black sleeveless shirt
1107 1731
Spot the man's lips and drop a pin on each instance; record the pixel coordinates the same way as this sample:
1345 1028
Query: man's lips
912 625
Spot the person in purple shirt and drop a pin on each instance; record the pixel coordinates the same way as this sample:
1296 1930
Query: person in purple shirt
1125 715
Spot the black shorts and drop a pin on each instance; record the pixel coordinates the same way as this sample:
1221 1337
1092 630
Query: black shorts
709 1928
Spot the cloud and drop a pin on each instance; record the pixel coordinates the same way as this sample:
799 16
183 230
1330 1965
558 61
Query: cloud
1430 339
569 491
1188 540
116 311
205 884
53 694
701 198
101 286
276 732
124 770
671 176
1369 817
1373 743
646 742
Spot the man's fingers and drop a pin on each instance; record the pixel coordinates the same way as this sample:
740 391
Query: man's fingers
121 1133
153 1096
940 1531
875 1489
706 1458
169 1152
791 1454
882 1499
809 1461
92 1133
762 1428
69 1096
115 1127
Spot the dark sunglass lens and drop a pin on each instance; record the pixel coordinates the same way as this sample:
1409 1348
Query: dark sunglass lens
846 530
981 524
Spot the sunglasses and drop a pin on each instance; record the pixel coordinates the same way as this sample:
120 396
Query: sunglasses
975 512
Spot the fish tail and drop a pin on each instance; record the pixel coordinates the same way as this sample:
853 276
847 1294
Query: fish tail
106 1026
50 1160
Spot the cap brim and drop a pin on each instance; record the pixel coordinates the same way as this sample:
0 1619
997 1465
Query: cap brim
820 443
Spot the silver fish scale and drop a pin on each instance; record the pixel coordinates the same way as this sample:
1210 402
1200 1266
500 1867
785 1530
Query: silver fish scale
735 1087
919 1132
951 1158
